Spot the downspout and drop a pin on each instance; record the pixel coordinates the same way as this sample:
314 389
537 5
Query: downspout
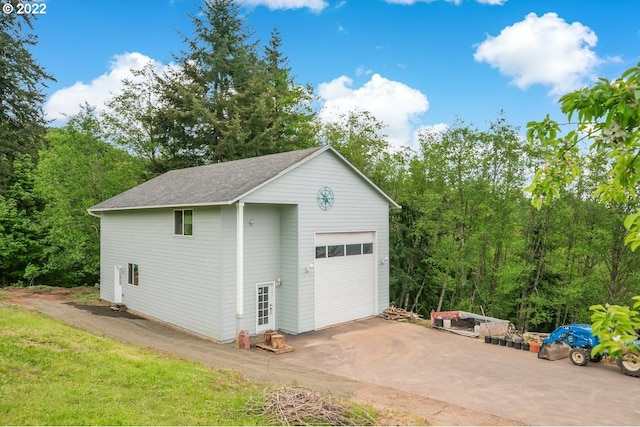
239 266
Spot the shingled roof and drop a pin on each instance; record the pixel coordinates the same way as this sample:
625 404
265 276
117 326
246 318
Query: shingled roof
220 183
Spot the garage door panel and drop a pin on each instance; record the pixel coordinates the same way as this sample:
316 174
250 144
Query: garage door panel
343 238
345 288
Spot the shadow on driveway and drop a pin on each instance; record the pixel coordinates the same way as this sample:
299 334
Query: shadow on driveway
101 310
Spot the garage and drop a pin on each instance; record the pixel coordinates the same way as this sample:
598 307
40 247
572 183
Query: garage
345 277
240 239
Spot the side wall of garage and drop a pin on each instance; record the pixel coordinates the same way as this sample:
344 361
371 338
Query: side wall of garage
177 278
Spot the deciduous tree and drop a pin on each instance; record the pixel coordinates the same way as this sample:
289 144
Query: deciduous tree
76 171
608 124
21 236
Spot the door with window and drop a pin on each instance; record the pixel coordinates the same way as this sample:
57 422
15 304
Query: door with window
265 306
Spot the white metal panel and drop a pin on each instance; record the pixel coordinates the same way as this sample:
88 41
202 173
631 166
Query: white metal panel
345 286
343 238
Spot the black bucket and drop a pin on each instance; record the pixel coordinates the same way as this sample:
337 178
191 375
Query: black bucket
517 345
494 340
439 322
510 343
487 339
525 346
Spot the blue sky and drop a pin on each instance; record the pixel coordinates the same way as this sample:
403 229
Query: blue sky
413 64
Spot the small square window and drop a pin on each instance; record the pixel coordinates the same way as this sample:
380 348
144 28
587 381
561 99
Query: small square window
321 251
367 248
335 250
177 222
188 223
183 222
354 249
132 275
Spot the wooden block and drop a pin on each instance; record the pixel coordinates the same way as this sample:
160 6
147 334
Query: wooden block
267 336
277 341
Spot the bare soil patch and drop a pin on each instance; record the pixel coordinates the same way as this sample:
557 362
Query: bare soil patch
20 295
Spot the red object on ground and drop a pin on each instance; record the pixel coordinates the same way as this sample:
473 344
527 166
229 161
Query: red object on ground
243 340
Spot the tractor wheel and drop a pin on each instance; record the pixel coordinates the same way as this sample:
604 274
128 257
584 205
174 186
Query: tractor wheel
579 356
630 364
595 359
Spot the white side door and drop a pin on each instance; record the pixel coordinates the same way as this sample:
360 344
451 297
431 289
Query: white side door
117 285
265 306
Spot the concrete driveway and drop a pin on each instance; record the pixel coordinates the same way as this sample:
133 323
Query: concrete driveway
502 381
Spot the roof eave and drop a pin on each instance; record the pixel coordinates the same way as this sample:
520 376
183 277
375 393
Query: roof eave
172 206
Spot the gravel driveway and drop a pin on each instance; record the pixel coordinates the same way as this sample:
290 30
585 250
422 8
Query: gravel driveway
446 378
499 380
256 364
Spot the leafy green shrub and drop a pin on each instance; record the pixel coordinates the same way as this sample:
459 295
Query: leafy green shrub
616 326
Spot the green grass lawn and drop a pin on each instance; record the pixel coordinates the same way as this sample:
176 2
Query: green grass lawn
53 374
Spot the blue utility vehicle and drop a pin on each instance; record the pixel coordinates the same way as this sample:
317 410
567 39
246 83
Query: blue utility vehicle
578 339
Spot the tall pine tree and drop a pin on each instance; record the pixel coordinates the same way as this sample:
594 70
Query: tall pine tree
22 123
225 101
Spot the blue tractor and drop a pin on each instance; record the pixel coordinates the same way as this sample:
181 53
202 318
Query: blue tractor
576 341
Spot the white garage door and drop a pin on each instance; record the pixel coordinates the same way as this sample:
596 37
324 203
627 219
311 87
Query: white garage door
345 277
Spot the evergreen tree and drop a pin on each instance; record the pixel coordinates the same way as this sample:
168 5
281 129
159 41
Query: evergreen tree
200 97
277 109
22 123
224 101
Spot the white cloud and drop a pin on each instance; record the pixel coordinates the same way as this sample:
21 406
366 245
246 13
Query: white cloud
313 5
393 103
542 50
362 71
68 101
437 129
426 131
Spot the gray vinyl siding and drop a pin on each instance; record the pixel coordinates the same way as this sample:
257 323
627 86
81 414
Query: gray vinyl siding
261 255
287 293
264 258
357 207
228 262
179 276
